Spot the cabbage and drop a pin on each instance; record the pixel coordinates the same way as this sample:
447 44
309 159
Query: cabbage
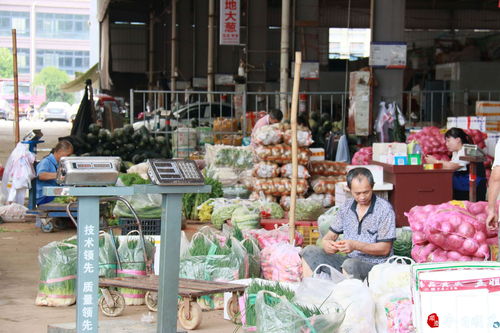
308 210
221 214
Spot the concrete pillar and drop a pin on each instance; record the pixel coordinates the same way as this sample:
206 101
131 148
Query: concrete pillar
387 22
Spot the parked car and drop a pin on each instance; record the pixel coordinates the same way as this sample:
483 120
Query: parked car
201 113
56 111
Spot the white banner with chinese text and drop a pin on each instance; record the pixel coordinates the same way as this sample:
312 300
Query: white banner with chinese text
229 22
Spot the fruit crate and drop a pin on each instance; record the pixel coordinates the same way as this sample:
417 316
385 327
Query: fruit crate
149 226
310 233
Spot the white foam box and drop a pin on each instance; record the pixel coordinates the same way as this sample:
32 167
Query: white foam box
487 108
317 154
451 122
456 297
376 170
342 192
246 282
491 142
477 123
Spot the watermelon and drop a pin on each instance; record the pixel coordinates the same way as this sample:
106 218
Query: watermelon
128 130
94 129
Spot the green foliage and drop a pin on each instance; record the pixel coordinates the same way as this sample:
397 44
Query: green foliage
52 78
6 63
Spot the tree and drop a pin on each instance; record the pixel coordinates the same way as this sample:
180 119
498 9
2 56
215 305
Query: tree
6 63
52 78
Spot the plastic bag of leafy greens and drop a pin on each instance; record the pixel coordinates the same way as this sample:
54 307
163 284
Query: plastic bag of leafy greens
207 260
308 210
223 210
326 220
275 314
246 218
252 270
147 206
57 274
270 210
107 255
133 264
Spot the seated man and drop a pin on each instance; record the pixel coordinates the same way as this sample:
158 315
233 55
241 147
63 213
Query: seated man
368 225
46 170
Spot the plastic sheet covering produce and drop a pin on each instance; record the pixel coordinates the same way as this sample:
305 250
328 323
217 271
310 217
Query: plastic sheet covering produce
107 255
275 314
281 262
13 212
131 254
57 274
208 260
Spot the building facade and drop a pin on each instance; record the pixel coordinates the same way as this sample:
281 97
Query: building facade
49 33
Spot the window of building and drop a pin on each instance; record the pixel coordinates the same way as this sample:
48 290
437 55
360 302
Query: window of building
14 20
66 26
68 61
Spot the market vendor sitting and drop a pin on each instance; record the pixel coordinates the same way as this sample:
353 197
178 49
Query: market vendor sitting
455 139
369 228
274 116
46 170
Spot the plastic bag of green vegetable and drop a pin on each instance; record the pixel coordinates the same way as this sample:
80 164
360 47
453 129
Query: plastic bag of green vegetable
308 210
270 210
276 314
131 253
246 218
57 274
223 210
107 255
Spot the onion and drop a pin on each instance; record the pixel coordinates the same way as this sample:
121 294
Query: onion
477 208
483 252
470 246
454 242
438 239
480 237
492 241
454 255
427 249
418 238
465 258
438 256
466 230
447 227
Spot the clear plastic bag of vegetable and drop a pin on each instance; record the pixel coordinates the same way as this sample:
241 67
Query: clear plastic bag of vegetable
308 210
281 262
326 219
266 170
246 218
326 199
269 209
207 260
223 210
268 135
286 171
304 137
57 285
267 238
107 255
147 206
275 314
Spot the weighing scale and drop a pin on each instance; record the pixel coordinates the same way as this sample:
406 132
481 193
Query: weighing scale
171 179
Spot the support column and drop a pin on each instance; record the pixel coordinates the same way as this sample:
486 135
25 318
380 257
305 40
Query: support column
387 22
285 44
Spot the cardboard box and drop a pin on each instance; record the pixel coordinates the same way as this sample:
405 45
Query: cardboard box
385 152
488 108
478 123
414 159
456 297
451 122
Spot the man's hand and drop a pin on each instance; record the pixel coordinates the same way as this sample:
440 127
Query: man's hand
329 246
431 159
492 219
346 245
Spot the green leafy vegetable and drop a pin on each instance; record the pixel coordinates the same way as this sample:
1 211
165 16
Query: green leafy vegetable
129 179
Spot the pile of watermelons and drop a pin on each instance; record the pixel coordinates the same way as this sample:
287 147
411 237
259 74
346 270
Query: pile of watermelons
321 124
133 146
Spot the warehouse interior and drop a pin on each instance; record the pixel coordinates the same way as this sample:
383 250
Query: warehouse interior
451 45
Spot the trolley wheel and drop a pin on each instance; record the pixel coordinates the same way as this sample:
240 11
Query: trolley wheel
151 299
47 225
233 309
189 319
112 310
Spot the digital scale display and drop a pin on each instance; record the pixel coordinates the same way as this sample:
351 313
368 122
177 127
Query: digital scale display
174 172
99 165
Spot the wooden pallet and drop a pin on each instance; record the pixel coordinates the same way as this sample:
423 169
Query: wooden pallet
187 287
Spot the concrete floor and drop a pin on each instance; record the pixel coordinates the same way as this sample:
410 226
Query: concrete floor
19 269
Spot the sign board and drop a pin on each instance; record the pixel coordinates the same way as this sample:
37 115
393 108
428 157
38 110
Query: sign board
308 70
224 79
388 55
229 22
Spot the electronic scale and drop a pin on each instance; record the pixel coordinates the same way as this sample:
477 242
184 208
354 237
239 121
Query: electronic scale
174 172
88 170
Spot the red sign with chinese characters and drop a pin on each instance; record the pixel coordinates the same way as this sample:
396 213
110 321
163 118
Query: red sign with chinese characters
229 22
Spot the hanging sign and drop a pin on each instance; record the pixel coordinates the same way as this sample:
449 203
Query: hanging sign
229 22
388 55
